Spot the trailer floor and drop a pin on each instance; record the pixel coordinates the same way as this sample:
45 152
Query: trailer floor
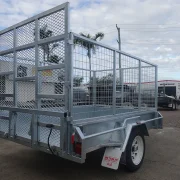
162 160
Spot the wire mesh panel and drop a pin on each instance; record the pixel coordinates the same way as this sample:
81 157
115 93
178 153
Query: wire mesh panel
127 61
44 132
6 80
89 58
6 91
23 125
4 123
54 139
26 34
148 86
104 87
26 63
113 79
52 25
6 41
51 104
41 42
52 53
26 94
33 60
6 70
51 82
25 87
6 62
81 95
129 88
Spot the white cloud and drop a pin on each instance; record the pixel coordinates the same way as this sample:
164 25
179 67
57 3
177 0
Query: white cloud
135 17
162 49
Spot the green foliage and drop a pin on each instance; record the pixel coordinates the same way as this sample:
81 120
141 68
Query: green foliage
48 49
91 48
54 59
104 80
78 81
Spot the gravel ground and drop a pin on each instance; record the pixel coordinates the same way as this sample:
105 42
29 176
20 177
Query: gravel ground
171 118
162 160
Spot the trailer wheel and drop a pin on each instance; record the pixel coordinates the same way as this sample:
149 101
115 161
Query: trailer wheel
173 106
135 150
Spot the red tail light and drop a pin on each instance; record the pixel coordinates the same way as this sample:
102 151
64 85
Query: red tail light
77 148
72 138
76 145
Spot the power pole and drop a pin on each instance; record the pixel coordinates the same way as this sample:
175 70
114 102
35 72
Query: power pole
119 44
119 37
120 70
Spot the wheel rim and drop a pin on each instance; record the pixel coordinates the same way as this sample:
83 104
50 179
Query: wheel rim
174 106
137 150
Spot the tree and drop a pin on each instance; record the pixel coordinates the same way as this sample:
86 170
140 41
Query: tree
55 59
90 47
77 81
48 49
104 80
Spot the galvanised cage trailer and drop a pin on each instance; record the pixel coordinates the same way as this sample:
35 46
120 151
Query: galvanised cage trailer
45 75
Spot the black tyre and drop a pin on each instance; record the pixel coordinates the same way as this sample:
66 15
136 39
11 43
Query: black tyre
173 106
135 150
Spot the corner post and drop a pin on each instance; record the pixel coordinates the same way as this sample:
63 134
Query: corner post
114 82
34 120
94 88
156 87
139 95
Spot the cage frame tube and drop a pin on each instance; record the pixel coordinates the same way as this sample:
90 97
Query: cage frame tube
156 87
34 120
94 88
122 87
114 82
111 48
70 94
37 104
139 85
71 72
13 117
14 68
117 68
65 134
32 45
29 20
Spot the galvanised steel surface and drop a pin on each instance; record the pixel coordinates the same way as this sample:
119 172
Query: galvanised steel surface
32 76
134 84
55 84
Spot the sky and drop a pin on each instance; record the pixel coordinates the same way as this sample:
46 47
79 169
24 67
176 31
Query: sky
150 29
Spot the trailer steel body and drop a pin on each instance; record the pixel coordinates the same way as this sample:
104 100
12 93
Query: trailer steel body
39 60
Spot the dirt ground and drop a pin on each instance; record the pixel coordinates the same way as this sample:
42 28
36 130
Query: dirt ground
162 160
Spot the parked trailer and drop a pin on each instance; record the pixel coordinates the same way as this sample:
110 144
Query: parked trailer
169 94
166 101
41 62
